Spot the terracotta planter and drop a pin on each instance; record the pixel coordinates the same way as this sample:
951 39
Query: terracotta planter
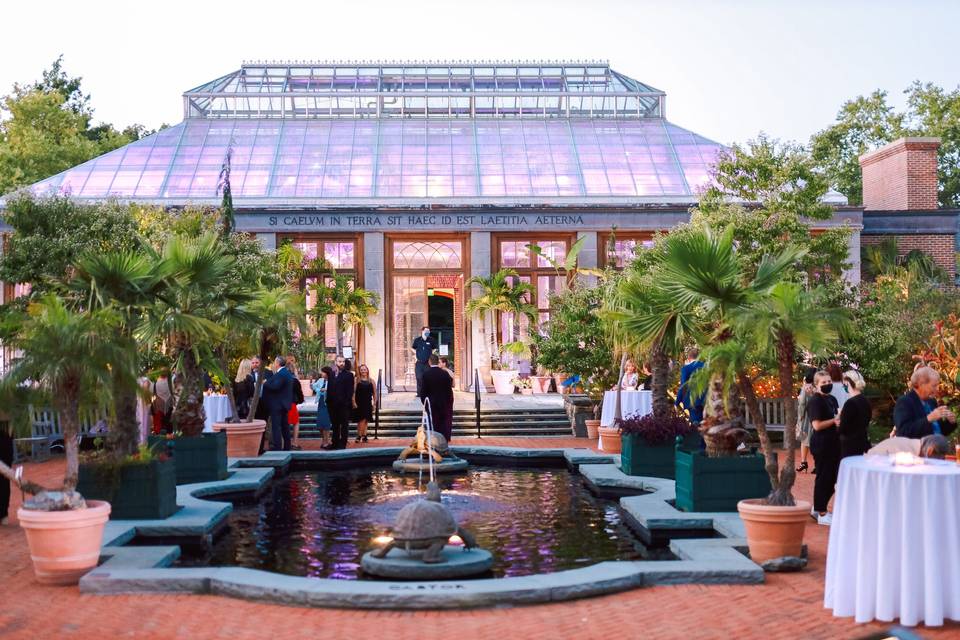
501 382
306 388
525 391
64 545
593 428
541 384
610 439
773 532
243 438
558 379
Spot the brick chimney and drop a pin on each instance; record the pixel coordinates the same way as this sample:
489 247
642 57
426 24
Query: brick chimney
901 176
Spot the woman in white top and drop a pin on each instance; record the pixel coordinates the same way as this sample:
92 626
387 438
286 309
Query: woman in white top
631 379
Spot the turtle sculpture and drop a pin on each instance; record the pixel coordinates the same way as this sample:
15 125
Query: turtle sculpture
438 449
425 525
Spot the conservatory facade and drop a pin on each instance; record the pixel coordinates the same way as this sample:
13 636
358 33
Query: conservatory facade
415 177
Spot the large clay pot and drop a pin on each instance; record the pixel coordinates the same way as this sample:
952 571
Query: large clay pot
773 532
501 382
541 384
64 545
610 439
306 388
243 438
558 379
593 428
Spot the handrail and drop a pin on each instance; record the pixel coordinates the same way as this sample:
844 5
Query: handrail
376 415
476 398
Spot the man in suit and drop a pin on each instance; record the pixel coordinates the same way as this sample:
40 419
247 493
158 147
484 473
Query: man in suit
916 413
438 388
278 396
694 405
340 389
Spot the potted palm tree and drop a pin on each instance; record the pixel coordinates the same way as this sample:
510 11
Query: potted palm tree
351 305
74 356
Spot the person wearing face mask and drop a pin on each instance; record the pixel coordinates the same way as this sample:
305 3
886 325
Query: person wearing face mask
854 417
423 347
824 444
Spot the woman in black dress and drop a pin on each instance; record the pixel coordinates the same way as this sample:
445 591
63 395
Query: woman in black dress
243 387
365 395
854 417
824 444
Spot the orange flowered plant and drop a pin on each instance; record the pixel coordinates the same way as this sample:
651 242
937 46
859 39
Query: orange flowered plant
942 352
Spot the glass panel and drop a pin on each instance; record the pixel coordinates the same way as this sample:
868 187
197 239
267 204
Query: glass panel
409 314
556 250
427 255
514 253
339 255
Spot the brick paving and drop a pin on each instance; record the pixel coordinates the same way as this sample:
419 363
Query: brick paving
787 606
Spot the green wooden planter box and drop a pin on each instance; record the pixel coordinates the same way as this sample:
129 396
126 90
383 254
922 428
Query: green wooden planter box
637 458
718 484
200 459
142 491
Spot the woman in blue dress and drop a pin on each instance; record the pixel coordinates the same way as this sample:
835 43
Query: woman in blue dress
319 387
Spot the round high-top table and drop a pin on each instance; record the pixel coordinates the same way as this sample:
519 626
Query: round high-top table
217 408
632 403
893 549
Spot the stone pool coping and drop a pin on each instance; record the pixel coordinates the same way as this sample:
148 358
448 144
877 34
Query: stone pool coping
146 569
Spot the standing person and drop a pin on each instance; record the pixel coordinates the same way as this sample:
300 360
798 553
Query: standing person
278 394
243 387
824 444
293 417
339 403
445 365
854 417
319 387
423 347
631 379
694 406
365 397
256 372
145 408
838 389
438 387
6 456
804 428
916 413
162 405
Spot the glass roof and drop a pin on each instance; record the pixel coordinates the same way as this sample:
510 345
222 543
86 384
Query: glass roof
310 90
339 161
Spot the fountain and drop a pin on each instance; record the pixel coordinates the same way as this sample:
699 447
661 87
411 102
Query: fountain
431 449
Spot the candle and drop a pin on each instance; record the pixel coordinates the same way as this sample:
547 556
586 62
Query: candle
905 458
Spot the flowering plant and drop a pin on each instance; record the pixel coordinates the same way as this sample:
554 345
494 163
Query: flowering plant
656 430
521 383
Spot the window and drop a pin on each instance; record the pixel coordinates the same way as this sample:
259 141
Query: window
618 250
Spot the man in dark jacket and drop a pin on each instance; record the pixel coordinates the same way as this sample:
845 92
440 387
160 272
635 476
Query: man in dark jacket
438 388
916 413
278 396
340 391
693 404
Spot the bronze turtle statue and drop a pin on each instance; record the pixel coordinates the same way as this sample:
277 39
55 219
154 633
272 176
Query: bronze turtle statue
439 449
425 525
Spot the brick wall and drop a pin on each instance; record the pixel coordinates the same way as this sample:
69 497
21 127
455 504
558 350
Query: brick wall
901 176
941 248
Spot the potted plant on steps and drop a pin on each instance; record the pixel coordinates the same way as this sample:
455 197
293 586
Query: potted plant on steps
68 354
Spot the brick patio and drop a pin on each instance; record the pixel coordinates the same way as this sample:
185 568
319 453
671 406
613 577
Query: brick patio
788 606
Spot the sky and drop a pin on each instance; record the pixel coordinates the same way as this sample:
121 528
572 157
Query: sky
730 69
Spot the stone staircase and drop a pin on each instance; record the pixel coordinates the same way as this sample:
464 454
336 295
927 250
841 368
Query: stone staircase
401 423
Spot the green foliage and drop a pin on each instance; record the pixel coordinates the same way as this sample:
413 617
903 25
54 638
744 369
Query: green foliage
783 179
50 234
868 122
352 305
576 340
500 292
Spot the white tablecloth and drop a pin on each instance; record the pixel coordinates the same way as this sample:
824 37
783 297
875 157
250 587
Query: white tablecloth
217 408
632 403
894 542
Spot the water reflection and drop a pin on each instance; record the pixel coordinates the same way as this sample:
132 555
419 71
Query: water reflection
319 524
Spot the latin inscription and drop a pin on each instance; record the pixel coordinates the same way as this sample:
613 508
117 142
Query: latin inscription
426 221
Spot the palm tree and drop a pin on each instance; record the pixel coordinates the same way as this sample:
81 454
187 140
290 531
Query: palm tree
351 305
73 355
499 292
778 322
189 317
274 309
128 282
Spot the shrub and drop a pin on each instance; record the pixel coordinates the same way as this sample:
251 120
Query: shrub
657 431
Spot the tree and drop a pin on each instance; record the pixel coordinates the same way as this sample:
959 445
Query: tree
868 122
50 234
500 292
273 309
352 306
71 354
